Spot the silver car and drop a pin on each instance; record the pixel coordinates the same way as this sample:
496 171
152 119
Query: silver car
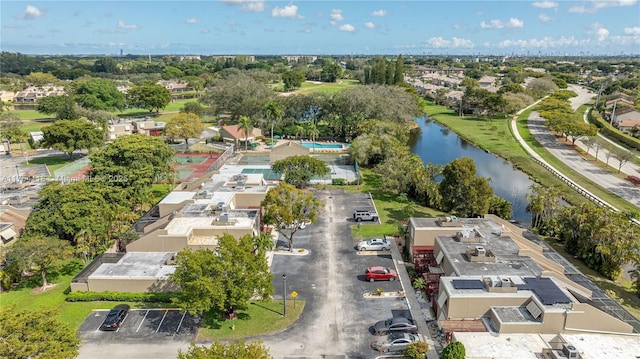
374 244
395 342
395 325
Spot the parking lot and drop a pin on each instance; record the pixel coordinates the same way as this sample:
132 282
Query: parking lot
143 325
337 320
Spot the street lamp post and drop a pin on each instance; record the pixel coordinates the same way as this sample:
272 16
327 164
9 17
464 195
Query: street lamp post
284 294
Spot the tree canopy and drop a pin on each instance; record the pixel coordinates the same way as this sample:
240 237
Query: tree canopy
238 94
41 253
288 207
214 280
462 192
97 94
133 161
150 96
299 170
184 125
454 350
35 334
69 136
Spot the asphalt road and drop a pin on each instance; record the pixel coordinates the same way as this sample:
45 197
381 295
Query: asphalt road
337 318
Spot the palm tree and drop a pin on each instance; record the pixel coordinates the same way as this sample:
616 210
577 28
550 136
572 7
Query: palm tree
262 242
299 131
273 112
245 125
313 132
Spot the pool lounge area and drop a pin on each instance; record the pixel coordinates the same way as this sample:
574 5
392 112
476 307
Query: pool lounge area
323 146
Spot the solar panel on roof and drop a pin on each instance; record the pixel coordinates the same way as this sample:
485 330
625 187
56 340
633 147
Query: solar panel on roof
467 284
546 290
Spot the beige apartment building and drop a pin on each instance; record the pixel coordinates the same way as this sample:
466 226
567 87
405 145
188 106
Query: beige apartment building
194 215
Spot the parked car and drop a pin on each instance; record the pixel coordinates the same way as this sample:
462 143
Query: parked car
394 342
374 244
373 274
115 317
364 215
395 325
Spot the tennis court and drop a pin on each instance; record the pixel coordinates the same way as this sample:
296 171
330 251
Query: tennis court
267 173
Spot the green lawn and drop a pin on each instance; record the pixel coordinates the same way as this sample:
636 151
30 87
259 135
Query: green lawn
326 87
53 162
28 296
31 115
258 318
391 210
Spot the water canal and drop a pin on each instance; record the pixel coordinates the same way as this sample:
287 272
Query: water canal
436 144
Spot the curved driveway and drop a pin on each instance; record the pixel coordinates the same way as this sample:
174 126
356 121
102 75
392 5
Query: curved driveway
573 159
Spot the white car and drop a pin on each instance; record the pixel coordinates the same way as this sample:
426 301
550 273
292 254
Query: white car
374 244
395 342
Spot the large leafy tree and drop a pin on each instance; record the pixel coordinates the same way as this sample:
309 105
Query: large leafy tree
133 161
236 350
35 334
69 136
64 107
40 79
77 212
150 96
288 207
299 170
40 253
544 204
184 125
214 280
462 192
97 94
292 79
238 94
11 129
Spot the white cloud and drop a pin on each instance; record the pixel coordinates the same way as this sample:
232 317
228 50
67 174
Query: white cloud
379 13
544 18
545 4
336 15
594 5
369 25
601 33
634 31
204 30
454 43
122 25
246 5
289 11
193 20
347 28
544 43
513 23
30 13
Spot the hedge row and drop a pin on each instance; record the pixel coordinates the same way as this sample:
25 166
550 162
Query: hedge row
342 182
119 297
609 131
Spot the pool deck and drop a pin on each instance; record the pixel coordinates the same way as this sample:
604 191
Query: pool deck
264 148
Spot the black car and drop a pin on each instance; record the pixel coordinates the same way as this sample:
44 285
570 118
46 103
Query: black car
116 316
395 325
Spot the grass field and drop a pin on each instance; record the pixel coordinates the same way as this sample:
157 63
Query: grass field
326 87
257 318
391 210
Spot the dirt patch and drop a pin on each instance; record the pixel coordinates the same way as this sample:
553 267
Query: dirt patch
41 289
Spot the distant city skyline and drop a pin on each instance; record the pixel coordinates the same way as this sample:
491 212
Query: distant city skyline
258 27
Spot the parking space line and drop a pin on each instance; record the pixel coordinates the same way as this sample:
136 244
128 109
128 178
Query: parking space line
164 316
122 322
181 319
145 317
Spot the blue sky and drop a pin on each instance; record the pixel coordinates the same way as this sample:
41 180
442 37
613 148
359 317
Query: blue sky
610 27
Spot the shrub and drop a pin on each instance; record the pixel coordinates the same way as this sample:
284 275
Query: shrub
338 181
417 350
379 291
455 350
119 297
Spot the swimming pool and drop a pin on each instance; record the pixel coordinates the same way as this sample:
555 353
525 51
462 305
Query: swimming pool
335 146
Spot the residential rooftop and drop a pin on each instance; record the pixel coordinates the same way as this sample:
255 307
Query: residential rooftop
137 265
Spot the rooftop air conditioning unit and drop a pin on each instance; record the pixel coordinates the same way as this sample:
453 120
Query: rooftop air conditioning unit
480 251
505 282
570 351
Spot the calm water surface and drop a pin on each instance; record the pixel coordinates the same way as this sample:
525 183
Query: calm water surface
435 144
